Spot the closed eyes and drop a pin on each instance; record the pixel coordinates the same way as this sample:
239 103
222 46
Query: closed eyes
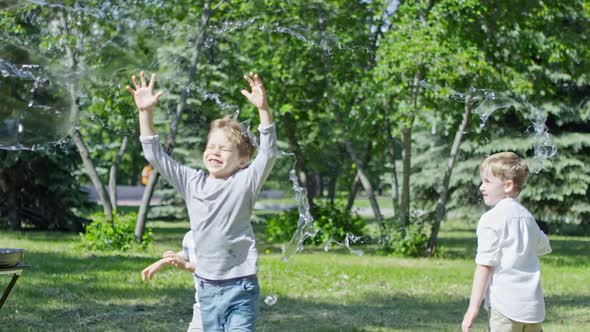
213 147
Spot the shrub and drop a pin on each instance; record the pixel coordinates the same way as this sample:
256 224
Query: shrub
331 219
410 241
114 234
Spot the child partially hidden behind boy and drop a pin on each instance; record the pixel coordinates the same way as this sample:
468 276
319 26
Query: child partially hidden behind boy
184 260
509 244
219 202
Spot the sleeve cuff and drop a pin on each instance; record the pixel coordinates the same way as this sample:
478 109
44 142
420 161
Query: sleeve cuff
266 130
149 139
488 261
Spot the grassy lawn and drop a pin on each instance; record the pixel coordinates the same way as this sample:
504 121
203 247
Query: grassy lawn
67 289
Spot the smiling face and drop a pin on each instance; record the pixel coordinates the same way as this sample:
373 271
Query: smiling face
221 157
493 188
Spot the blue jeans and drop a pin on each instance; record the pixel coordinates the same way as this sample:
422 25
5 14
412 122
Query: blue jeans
229 305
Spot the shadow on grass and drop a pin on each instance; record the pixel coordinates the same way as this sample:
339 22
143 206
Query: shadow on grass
169 314
87 292
372 311
566 252
42 236
375 311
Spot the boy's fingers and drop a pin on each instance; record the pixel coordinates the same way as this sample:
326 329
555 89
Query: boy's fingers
257 79
142 75
158 95
245 93
131 91
249 80
152 81
134 79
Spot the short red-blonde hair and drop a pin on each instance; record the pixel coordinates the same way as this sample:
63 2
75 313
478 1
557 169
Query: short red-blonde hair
507 166
236 134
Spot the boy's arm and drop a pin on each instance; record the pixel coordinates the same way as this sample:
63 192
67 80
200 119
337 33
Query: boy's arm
481 278
179 260
267 151
148 272
145 101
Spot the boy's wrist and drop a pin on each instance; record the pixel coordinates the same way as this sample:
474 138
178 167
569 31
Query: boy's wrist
474 307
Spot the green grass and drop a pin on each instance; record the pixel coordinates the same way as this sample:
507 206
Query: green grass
68 289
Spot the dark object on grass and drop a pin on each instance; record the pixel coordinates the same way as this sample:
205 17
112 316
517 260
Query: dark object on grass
11 256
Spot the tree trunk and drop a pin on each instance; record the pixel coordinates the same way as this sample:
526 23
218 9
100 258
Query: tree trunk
333 178
148 192
92 173
169 146
319 185
357 180
364 179
353 192
407 134
76 136
331 186
444 187
391 153
113 172
404 211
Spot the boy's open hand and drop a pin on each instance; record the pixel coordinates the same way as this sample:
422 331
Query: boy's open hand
468 319
144 93
148 272
258 96
178 261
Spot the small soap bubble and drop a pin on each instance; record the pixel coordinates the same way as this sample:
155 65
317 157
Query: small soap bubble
271 299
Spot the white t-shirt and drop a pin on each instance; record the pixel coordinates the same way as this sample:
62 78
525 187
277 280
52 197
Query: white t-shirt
510 240
188 246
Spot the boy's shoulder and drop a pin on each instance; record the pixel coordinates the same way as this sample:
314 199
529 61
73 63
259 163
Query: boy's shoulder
506 210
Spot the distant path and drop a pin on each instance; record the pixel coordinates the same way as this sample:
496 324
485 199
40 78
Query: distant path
131 196
126 195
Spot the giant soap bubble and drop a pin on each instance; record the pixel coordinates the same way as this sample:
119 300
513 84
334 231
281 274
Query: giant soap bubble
34 104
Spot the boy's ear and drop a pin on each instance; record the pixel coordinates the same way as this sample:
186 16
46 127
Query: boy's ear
508 187
244 161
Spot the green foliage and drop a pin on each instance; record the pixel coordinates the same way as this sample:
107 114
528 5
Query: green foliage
118 233
410 241
333 221
357 59
38 191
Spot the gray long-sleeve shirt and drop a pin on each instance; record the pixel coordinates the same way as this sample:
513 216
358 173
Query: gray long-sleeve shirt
219 209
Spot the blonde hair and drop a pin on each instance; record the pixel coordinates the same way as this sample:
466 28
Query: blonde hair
236 134
507 166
